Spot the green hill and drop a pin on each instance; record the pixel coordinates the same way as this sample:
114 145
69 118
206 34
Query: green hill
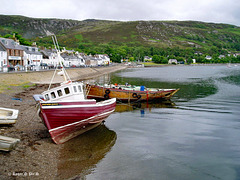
152 37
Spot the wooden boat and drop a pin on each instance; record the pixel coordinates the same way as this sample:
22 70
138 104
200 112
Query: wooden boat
7 143
128 93
67 112
8 116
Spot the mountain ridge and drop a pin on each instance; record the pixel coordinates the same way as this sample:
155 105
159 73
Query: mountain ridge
99 35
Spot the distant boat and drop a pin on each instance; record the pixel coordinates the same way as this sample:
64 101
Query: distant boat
7 143
8 116
67 112
128 92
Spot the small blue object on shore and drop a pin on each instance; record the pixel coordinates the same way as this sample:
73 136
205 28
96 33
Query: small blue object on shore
17 99
142 88
142 112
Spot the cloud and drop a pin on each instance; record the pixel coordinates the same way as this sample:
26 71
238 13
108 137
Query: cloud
219 11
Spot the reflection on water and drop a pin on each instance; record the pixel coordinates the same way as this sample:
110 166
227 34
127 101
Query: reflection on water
84 152
232 77
143 106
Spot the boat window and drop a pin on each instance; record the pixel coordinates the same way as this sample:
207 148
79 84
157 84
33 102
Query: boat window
79 88
75 88
59 92
46 97
66 90
53 95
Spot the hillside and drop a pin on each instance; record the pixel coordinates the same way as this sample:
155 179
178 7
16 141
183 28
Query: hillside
106 36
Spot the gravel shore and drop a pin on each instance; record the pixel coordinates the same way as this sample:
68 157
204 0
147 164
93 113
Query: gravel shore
36 156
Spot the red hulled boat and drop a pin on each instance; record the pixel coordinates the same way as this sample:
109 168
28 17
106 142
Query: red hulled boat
67 112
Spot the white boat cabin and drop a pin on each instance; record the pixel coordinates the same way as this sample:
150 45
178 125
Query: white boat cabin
72 91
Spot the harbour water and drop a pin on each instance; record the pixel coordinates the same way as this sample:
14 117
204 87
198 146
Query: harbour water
196 135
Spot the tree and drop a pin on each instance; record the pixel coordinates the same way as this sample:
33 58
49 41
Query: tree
189 60
165 61
115 58
159 59
22 40
171 57
156 58
131 59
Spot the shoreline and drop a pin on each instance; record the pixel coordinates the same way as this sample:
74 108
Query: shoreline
21 80
197 64
36 156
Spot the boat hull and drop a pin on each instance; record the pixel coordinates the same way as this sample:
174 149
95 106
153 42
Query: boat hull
99 92
7 143
66 120
8 116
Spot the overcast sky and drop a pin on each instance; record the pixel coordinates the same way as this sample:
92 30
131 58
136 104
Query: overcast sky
218 11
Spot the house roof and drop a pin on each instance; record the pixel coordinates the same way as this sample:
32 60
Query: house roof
68 56
47 52
31 50
2 48
10 44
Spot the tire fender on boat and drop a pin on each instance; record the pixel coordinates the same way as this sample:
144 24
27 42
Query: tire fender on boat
106 96
107 91
134 95
139 96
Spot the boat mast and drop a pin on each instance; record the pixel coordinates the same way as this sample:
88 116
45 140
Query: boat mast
63 71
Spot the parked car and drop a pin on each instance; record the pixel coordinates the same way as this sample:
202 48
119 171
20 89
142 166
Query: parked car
43 64
7 68
18 67
51 66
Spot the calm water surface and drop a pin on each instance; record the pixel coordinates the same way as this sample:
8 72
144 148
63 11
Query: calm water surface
195 136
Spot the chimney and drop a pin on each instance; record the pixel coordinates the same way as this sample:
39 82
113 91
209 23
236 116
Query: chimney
34 44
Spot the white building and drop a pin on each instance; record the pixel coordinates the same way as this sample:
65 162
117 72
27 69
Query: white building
72 60
171 61
221 56
81 60
147 59
102 59
32 56
208 57
3 57
50 57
